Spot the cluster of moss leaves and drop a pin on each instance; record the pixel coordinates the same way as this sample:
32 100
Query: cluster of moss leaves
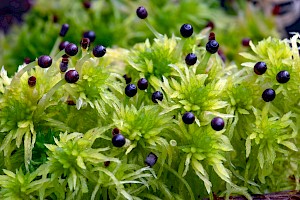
52 148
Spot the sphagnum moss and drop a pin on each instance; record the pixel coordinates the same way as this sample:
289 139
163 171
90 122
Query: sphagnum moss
241 139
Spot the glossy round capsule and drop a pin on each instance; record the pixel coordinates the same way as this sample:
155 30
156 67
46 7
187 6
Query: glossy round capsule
118 140
191 59
268 95
44 61
142 84
99 51
64 29
217 123
90 34
130 90
157 96
186 30
188 118
32 81
71 49
260 68
212 46
151 159
283 76
141 12
72 76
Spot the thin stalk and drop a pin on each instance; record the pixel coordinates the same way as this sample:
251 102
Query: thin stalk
55 47
201 68
157 34
81 61
42 102
22 71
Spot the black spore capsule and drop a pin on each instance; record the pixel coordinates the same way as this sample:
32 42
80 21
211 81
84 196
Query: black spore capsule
260 68
130 90
141 12
90 34
188 118
151 159
157 96
217 123
186 30
71 49
283 76
64 29
44 61
63 45
268 95
212 46
142 84
72 76
191 59
118 140
115 131
64 65
99 51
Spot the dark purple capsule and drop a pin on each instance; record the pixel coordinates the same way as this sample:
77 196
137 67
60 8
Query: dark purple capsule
186 30
27 60
188 118
44 61
191 59
246 42
99 51
63 45
118 140
90 34
212 46
115 131
64 29
142 84
127 78
151 159
71 49
141 12
268 95
130 90
87 4
32 81
212 36
260 68
283 76
72 76
217 123
85 43
157 96
64 65
106 163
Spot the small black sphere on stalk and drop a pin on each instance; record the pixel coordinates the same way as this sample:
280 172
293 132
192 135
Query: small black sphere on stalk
130 90
191 59
217 123
283 76
27 60
64 29
268 95
260 68
141 12
72 76
212 46
186 30
44 61
99 51
188 118
87 4
157 96
115 131
142 84
90 34
71 49
118 140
